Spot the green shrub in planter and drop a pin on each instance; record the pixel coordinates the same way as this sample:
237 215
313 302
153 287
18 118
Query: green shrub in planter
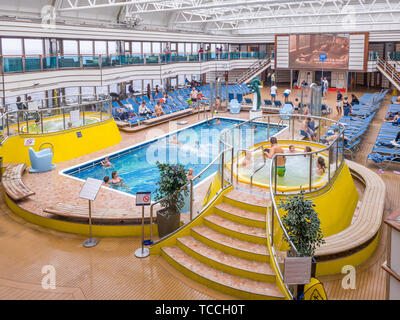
172 178
302 224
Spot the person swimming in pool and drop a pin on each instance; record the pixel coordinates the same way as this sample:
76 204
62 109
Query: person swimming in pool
106 162
307 149
281 160
115 179
321 166
106 181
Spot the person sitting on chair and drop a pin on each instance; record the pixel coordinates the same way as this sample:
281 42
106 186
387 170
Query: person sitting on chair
159 110
143 110
306 131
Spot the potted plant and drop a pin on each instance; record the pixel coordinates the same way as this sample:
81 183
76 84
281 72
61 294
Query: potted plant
172 179
303 227
302 224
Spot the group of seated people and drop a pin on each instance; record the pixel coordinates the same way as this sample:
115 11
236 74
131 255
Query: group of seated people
308 129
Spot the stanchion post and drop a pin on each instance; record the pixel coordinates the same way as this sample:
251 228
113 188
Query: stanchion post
91 242
143 199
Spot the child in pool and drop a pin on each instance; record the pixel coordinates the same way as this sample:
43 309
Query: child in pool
292 149
321 166
307 149
106 181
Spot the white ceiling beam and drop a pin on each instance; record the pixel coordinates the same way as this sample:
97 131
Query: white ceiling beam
177 5
284 16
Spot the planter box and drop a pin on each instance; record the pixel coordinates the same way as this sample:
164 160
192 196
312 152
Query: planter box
167 223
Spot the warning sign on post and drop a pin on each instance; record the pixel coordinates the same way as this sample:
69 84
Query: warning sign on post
143 198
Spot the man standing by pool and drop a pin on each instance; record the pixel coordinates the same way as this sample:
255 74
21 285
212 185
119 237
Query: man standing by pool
281 160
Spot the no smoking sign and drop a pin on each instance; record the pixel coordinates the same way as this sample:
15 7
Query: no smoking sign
143 198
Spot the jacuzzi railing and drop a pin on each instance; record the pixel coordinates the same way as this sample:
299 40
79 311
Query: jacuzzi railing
31 119
276 232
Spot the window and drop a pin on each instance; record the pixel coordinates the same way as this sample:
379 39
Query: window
146 47
102 90
181 47
39 97
156 47
157 83
70 47
114 88
86 47
136 47
137 85
33 46
173 82
188 48
12 46
145 83
72 92
112 47
100 47
87 91
127 47
181 80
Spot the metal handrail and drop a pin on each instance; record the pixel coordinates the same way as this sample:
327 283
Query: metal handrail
191 183
80 98
254 68
274 205
6 117
388 68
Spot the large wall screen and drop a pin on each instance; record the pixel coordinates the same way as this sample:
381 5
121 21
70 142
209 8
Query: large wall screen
305 50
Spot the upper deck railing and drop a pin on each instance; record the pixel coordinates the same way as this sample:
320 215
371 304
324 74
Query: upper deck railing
27 63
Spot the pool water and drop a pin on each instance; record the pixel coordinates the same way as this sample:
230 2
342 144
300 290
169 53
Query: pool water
55 125
296 175
198 147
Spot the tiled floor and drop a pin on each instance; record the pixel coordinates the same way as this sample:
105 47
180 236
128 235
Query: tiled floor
110 270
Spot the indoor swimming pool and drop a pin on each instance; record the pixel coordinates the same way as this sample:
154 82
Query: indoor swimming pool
194 147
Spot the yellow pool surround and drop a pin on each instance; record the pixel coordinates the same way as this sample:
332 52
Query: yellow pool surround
77 227
68 144
299 146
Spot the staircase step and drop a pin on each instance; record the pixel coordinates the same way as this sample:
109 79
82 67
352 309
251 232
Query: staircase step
248 201
249 218
234 246
260 271
227 283
236 230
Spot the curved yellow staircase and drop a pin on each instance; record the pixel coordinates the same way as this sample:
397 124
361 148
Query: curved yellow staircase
227 251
